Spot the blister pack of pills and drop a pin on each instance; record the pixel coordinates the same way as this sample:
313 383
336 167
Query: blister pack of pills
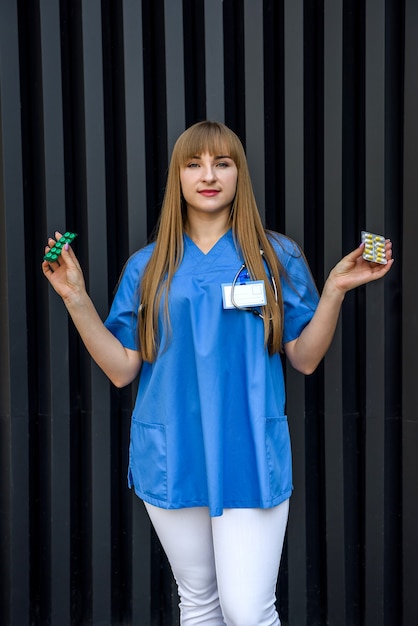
55 251
374 247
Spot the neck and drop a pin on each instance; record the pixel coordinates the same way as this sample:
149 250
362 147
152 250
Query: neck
206 232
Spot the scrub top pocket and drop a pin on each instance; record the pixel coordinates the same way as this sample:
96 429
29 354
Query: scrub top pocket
148 459
278 454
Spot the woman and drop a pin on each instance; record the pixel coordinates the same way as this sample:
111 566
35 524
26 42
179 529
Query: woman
202 315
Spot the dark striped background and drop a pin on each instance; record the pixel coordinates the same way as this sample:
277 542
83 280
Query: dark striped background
324 95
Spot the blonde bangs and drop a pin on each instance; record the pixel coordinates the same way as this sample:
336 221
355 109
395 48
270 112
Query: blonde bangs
211 137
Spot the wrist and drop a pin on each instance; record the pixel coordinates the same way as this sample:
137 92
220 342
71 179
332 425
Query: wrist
332 291
76 299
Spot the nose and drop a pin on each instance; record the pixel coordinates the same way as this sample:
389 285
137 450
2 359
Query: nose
208 173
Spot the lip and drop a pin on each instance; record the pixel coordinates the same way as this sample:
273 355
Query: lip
209 193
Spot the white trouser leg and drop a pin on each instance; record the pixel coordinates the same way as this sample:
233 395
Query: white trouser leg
186 536
235 556
248 546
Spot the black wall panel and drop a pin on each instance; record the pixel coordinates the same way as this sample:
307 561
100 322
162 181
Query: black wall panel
93 94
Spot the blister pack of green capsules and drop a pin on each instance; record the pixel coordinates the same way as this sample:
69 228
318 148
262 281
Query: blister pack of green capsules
55 251
374 247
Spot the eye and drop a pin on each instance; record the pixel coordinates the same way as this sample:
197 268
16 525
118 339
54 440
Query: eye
192 164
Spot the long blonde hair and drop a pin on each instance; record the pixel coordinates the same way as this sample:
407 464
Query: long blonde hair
248 232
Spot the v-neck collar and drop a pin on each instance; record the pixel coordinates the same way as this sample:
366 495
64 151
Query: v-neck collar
217 247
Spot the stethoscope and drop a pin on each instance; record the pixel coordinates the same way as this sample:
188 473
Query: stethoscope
243 267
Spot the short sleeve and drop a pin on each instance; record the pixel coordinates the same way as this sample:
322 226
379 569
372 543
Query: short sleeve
300 295
122 320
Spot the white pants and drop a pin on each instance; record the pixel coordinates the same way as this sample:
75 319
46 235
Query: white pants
225 567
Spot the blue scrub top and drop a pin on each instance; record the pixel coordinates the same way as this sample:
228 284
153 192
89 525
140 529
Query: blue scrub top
209 425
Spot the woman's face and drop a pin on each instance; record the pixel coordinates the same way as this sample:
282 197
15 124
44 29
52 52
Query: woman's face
209 183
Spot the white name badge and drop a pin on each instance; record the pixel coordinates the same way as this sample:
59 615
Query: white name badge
250 294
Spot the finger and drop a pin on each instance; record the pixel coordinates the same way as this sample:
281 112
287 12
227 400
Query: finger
52 241
356 253
66 256
380 269
71 259
388 265
57 235
47 268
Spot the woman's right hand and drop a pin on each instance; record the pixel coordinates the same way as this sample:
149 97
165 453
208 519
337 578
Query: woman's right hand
65 274
120 364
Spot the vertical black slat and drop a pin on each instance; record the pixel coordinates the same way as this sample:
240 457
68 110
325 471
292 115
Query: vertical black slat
14 428
214 60
316 527
135 124
314 181
117 230
194 60
34 199
155 104
174 60
141 565
297 545
136 182
254 100
352 316
121 509
75 183
334 449
37 310
294 127
117 252
294 209
273 35
97 268
374 345
314 129
5 434
59 396
115 139
234 66
394 84
353 126
409 323
157 159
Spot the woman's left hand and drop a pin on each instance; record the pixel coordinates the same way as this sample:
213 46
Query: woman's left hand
353 271
309 348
